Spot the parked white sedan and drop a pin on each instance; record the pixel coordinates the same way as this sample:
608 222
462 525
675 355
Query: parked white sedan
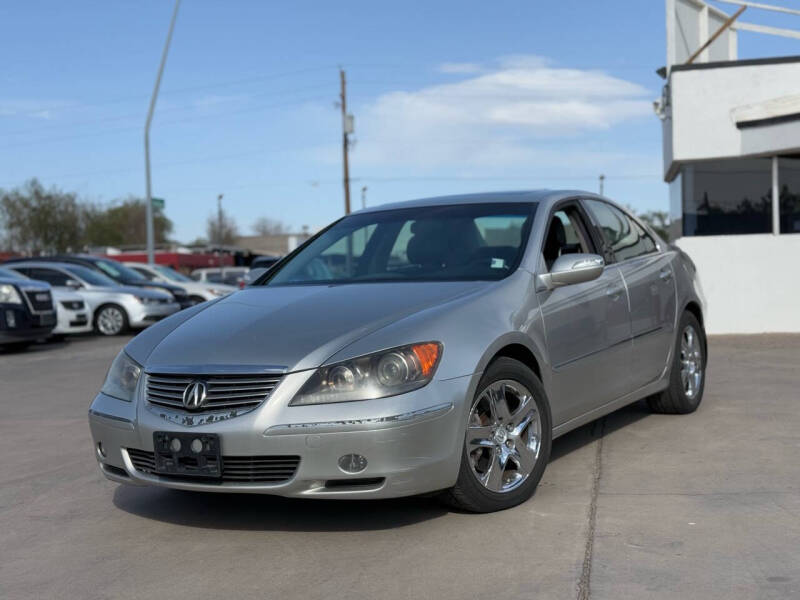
72 313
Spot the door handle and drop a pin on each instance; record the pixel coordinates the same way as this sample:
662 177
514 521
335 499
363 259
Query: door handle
665 275
614 292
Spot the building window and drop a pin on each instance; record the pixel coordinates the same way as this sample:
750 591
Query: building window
789 186
729 197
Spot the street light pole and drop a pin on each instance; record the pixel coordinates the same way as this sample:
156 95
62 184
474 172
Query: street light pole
219 233
149 198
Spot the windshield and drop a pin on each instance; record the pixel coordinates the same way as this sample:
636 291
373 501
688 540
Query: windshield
172 274
117 271
436 243
11 274
90 276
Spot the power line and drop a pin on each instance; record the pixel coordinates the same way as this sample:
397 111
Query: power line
169 122
161 111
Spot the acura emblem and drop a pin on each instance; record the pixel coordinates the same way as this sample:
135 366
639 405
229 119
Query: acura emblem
194 396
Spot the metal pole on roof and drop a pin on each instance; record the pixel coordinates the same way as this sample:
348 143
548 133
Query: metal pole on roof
149 197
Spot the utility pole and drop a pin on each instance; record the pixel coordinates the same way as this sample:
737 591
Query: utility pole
149 199
219 233
364 197
602 181
347 128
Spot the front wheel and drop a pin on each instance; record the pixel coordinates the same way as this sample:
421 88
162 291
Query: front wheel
507 441
687 378
111 320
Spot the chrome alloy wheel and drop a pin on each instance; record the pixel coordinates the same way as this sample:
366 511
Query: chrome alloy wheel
504 436
110 321
691 362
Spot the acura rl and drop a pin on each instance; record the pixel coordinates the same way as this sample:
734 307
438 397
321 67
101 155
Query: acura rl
437 346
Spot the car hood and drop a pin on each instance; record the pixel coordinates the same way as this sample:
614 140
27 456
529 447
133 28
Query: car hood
28 284
292 327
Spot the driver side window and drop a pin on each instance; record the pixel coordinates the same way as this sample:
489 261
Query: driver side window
564 236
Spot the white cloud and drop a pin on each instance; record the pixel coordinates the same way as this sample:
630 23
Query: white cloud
34 109
506 113
461 68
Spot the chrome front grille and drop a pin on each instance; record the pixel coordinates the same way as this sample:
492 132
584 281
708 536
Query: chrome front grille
225 391
235 469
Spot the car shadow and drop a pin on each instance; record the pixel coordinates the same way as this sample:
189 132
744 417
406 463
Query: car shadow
591 432
256 512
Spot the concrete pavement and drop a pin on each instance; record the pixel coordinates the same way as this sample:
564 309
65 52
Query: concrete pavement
633 506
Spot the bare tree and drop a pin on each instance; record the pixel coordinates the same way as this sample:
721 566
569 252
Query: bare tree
266 226
225 235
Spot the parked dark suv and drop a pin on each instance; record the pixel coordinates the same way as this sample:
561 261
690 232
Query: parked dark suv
26 311
118 272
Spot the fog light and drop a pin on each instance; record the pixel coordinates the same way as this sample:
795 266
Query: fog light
101 451
11 319
352 463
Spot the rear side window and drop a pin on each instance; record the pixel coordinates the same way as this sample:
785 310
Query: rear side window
52 277
623 236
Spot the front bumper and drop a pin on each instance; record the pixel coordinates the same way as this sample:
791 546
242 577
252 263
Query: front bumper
70 321
18 325
412 442
143 315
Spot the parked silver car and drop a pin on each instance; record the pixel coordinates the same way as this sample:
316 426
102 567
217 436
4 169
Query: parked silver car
198 291
437 345
112 308
227 275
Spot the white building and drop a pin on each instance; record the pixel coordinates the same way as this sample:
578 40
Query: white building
732 161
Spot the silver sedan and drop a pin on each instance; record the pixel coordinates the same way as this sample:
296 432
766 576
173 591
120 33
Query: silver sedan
433 346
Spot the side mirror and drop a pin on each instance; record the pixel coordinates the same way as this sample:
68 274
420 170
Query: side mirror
570 269
74 285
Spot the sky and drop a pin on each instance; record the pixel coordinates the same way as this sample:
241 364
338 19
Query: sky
448 97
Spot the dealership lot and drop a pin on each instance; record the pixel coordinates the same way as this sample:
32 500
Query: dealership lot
635 505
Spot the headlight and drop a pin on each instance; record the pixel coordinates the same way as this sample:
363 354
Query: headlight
147 300
9 294
385 373
218 292
122 378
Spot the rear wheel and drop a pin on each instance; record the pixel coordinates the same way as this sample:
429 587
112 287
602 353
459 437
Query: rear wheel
507 441
111 319
688 375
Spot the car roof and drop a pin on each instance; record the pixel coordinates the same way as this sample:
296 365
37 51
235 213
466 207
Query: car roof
530 196
45 264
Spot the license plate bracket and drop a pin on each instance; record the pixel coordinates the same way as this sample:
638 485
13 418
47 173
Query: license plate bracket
188 454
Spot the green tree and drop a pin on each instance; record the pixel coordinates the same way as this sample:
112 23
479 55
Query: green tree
39 221
123 223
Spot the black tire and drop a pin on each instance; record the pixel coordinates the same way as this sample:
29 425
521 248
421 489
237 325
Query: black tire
674 400
100 328
468 493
